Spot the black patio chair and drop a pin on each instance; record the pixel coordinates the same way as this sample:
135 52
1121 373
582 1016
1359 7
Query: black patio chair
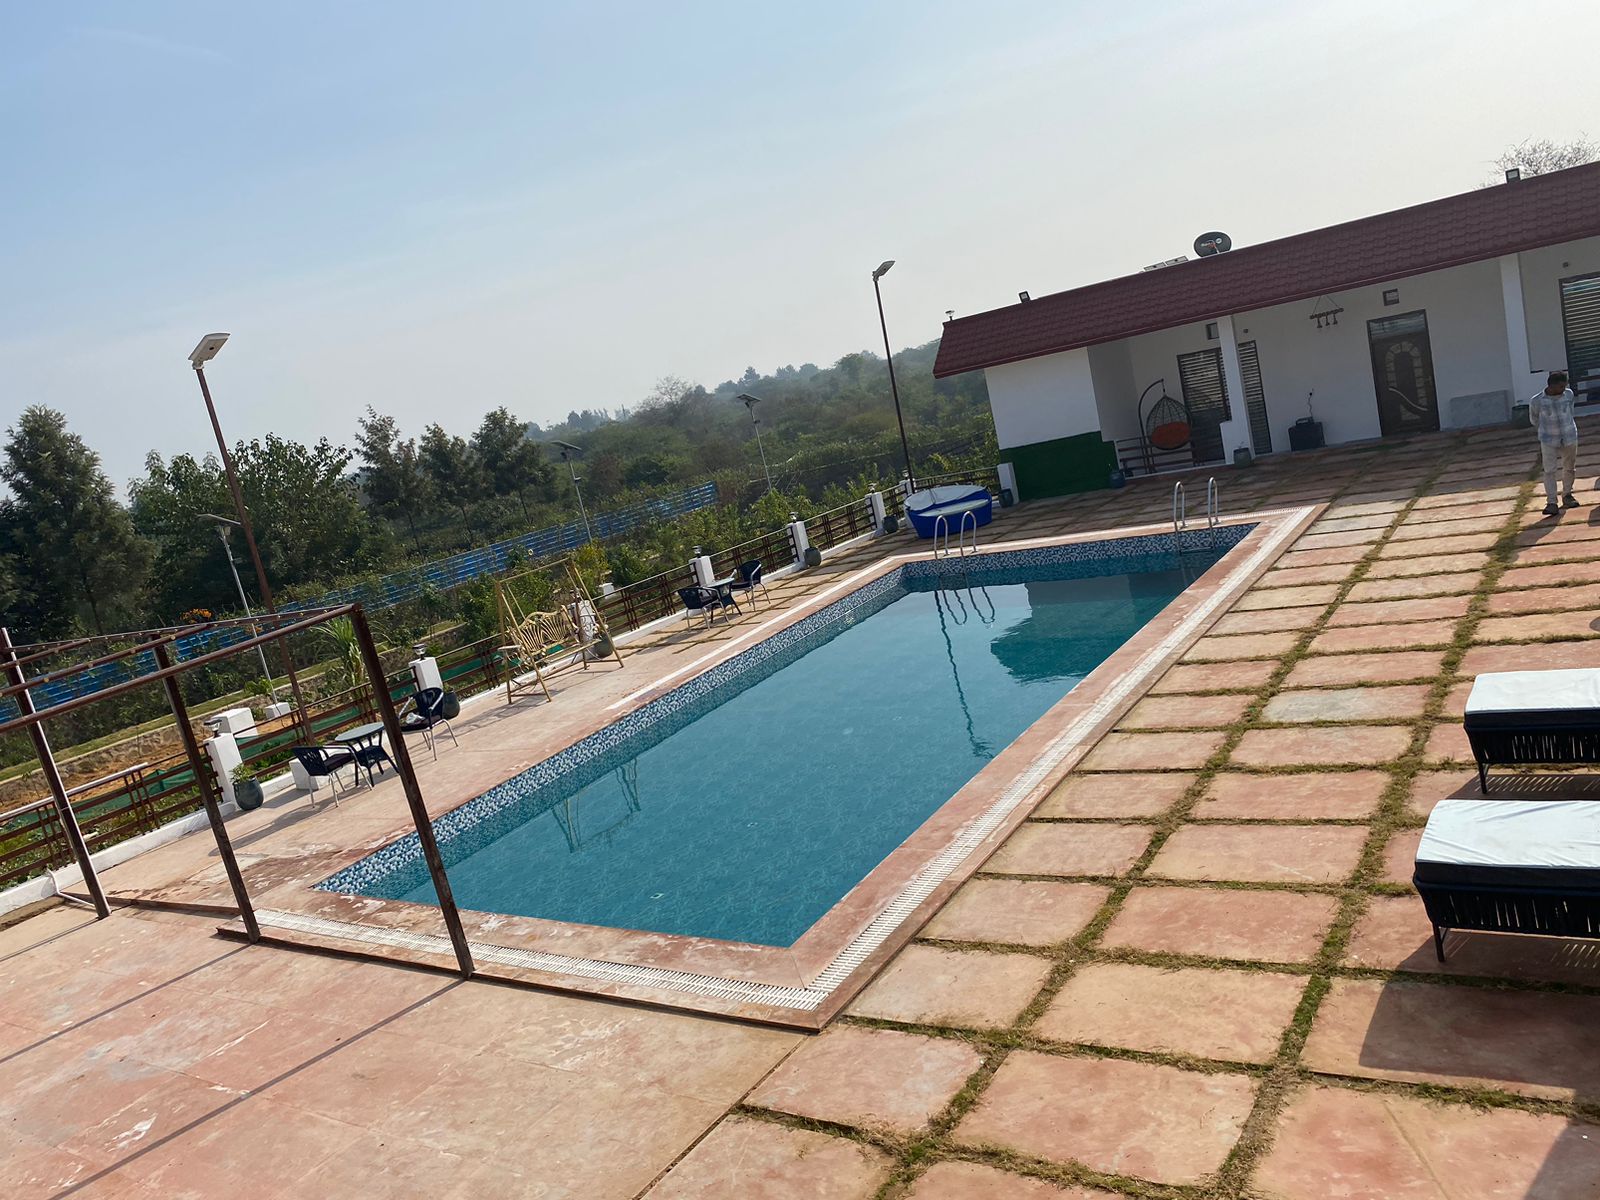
749 579
424 710
323 762
706 601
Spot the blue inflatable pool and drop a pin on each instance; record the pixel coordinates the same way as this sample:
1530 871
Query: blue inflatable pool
952 502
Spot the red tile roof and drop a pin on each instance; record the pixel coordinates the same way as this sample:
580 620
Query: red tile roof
1476 225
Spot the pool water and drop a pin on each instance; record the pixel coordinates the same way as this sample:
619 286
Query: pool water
750 820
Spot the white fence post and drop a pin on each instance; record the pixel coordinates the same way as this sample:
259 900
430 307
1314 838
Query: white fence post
701 566
223 749
880 514
802 543
1008 479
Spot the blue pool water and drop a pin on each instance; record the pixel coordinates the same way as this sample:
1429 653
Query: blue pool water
748 814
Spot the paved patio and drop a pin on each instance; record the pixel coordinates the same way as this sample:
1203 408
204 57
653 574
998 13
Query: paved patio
1197 971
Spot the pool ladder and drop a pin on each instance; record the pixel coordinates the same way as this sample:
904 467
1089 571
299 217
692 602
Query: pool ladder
1180 510
943 524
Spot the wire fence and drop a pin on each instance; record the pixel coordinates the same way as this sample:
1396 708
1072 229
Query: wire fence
397 588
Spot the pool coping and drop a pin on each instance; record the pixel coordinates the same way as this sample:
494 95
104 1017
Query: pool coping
804 985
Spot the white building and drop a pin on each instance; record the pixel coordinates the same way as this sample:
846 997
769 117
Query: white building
1443 315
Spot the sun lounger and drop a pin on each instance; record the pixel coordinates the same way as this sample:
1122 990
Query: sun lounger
1511 866
1526 717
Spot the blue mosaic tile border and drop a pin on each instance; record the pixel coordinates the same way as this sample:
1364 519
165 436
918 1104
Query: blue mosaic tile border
398 868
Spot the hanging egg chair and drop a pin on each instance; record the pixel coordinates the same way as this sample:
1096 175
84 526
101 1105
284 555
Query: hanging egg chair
1166 426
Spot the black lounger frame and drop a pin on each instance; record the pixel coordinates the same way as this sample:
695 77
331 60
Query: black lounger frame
1545 912
1530 745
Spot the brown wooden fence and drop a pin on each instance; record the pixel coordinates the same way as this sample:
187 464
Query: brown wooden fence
839 524
773 551
648 600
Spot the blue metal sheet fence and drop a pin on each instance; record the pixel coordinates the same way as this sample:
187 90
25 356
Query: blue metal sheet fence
399 587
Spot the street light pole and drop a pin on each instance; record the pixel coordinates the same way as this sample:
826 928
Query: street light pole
894 390
223 524
202 354
568 451
750 402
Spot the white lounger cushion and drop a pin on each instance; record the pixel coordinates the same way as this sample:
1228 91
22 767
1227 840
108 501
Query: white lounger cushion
1534 691
1552 843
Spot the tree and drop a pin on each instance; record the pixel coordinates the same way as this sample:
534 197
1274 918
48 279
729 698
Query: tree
394 479
453 469
1540 156
309 522
512 465
69 536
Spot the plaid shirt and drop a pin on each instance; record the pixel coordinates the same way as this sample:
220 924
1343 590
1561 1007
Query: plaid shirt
1552 416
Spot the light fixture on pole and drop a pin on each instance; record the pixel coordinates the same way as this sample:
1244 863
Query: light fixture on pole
568 453
750 402
198 358
894 390
224 524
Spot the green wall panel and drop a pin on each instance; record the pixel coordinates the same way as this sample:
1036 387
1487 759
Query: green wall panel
1059 467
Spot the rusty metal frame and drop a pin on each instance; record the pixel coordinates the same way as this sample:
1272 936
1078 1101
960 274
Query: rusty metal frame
157 642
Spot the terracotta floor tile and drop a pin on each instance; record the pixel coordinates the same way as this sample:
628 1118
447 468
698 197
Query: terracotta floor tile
757 1160
875 1079
1332 670
1315 540
1267 620
1325 556
1408 587
1552 656
1021 912
1448 743
1070 848
1400 855
1215 648
1214 677
974 1181
1321 745
1584 623
1394 935
1261 853
1544 599
1112 1115
1348 704
930 985
1316 595
1360 638
1371 1146
1436 522
1455 700
1309 796
1230 923
1186 712
1433 564
1152 751
1234 1016
1378 612
1115 795
1334 524
1550 552
1439 546
1289 577
1550 573
1535 1043
1430 787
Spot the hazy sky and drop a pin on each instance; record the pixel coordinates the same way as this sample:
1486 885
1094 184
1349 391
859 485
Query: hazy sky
438 208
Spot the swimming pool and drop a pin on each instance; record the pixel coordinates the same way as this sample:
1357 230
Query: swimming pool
745 804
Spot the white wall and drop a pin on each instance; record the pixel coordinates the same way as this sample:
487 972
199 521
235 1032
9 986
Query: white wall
1111 366
1542 273
1041 399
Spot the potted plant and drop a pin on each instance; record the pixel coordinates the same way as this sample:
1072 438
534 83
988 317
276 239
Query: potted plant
246 779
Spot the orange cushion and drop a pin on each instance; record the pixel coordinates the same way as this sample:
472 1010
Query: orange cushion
1171 436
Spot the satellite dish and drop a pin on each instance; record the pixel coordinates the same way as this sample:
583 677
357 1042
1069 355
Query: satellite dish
1208 244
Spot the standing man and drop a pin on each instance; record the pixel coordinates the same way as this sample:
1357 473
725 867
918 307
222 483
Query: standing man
1551 413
